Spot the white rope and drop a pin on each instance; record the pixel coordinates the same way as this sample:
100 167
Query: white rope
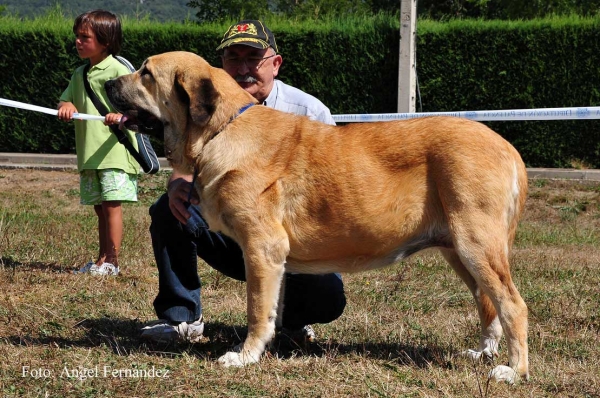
580 113
49 111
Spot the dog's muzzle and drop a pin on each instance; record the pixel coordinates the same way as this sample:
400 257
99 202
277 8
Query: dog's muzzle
134 118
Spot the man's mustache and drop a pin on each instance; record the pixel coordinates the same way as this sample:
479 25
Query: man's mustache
245 79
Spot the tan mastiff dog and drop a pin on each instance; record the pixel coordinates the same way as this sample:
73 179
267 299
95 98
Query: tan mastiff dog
302 196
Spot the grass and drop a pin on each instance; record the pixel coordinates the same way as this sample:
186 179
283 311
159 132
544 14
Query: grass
400 336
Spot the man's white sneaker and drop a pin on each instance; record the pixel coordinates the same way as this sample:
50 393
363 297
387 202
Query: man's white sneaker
163 331
309 333
305 334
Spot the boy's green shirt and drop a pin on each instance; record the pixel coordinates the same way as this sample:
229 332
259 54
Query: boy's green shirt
97 147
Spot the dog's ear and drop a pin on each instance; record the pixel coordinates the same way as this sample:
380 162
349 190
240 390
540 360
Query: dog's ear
199 93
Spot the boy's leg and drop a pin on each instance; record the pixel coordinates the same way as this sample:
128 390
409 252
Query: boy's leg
113 215
101 234
90 194
116 186
106 189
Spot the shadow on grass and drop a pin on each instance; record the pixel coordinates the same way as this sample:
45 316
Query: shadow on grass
398 353
10 263
123 338
119 334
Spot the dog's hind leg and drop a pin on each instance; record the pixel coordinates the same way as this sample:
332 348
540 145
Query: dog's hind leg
486 260
491 330
264 257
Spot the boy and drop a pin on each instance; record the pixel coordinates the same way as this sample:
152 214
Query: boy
108 173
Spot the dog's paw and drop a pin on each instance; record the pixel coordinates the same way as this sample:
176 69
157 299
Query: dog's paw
488 351
238 359
231 359
503 373
487 355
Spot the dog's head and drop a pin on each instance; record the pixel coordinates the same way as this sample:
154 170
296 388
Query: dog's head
177 96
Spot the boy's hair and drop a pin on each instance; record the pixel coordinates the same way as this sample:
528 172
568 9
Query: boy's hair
105 25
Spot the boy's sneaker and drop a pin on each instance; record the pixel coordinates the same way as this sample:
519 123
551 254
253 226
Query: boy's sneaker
85 269
163 331
104 269
93 269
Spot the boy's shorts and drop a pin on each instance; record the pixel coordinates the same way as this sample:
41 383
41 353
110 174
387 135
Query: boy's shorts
97 186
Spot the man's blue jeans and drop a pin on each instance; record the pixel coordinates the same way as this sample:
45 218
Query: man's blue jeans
308 299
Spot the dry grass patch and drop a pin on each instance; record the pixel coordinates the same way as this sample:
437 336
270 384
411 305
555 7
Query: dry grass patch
400 336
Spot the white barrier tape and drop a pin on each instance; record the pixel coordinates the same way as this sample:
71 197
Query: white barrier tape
581 113
49 111
592 112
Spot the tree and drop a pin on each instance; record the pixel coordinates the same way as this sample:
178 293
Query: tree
515 9
390 6
215 10
313 9
505 9
224 10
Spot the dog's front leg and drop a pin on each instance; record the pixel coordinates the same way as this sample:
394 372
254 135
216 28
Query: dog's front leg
279 320
264 275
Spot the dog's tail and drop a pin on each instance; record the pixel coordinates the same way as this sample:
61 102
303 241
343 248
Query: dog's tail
518 196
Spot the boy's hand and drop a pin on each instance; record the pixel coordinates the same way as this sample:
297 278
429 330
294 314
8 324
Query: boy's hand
66 111
112 118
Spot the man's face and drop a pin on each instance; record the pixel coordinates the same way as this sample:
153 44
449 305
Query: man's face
253 68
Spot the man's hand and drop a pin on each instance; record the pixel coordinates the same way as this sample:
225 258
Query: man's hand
179 189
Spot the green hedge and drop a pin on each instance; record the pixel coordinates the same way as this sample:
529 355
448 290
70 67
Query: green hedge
352 66
519 65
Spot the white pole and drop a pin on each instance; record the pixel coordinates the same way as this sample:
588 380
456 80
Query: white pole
407 65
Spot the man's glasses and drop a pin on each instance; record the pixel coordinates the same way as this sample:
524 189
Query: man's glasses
251 62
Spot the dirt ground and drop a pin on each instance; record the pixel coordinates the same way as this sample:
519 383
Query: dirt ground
37 180
29 180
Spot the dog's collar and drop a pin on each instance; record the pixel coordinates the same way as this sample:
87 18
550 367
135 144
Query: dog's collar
242 109
239 112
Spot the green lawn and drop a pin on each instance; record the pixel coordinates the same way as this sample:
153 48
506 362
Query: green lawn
404 327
